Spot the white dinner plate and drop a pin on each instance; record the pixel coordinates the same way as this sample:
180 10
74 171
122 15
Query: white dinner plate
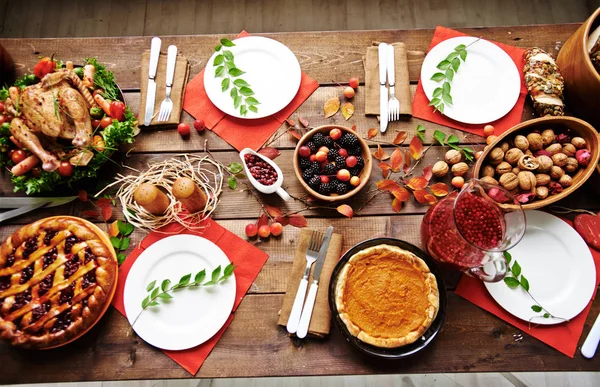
271 69
193 315
486 86
560 269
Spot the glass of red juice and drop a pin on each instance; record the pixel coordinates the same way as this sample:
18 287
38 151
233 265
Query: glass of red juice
471 229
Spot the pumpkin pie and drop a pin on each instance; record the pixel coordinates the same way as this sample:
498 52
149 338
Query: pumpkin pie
386 296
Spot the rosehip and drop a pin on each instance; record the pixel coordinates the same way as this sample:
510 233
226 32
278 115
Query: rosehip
183 129
458 182
304 151
324 179
349 92
342 152
353 83
313 158
488 130
321 156
335 134
323 149
251 230
264 231
343 175
276 229
351 161
354 181
490 139
199 125
478 155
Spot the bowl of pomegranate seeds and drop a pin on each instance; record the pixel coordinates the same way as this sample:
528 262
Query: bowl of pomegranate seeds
263 173
332 162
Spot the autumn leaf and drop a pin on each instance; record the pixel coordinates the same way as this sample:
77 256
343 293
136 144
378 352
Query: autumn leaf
428 172
439 189
82 195
271 153
407 161
380 154
290 122
396 160
400 193
346 210
103 202
424 197
298 220
347 110
283 220
295 134
310 199
400 137
353 128
304 122
416 148
396 205
107 212
387 185
90 213
372 132
274 211
262 221
385 169
417 183
332 105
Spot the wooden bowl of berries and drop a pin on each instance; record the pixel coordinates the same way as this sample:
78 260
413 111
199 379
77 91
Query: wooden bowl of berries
332 162
542 160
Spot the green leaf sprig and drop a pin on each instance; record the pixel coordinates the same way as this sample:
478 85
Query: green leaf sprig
241 92
452 141
235 172
449 66
157 293
421 132
517 279
122 241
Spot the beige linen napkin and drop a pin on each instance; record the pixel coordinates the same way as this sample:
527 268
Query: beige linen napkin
371 64
320 322
179 80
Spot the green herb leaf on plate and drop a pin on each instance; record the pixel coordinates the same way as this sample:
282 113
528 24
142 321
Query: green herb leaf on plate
240 82
536 308
524 283
437 77
225 84
437 92
150 286
165 285
219 71
253 108
516 269
218 60
512 282
450 74
185 280
227 43
200 277
443 65
235 72
460 47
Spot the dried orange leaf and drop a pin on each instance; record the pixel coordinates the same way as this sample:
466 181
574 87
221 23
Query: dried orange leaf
303 121
332 105
401 193
346 210
90 213
428 172
439 189
387 185
274 211
372 132
298 220
290 122
347 110
271 153
353 128
417 183
106 212
416 148
262 220
380 154
295 134
396 160
83 196
104 202
283 220
396 205
407 161
385 169
400 137
430 199
424 197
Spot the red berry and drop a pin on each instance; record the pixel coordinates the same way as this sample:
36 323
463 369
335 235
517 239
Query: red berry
199 125
264 231
353 83
276 229
323 149
488 130
354 181
351 161
183 129
313 158
343 175
251 230
349 92
304 151
342 152
321 156
324 179
335 134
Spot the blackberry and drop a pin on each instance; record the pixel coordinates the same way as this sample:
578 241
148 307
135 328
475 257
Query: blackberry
311 145
354 151
355 171
340 187
329 169
360 162
333 153
304 163
307 175
325 188
318 139
340 162
314 182
328 142
348 140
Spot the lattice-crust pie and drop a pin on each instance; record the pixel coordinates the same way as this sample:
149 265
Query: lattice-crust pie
386 296
56 276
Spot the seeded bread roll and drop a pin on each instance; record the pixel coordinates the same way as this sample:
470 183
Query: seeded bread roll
544 82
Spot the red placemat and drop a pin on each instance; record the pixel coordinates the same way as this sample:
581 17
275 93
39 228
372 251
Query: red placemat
248 261
425 112
241 133
563 337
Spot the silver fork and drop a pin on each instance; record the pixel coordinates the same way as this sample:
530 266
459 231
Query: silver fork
167 105
314 244
393 103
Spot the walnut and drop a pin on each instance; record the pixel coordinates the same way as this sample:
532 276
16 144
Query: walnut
578 142
528 163
453 156
503 168
548 137
504 146
513 155
440 169
528 152
516 170
545 163
460 169
560 159
554 149
565 181
527 180
488 170
542 179
521 143
535 141
556 172
571 165
569 150
496 156
541 192
489 180
509 181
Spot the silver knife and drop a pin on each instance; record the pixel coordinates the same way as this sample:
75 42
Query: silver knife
16 202
151 90
383 91
312 292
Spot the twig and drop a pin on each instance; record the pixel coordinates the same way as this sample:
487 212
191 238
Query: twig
565 210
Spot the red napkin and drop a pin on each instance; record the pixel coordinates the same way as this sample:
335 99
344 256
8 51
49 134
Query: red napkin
248 260
425 112
241 133
563 337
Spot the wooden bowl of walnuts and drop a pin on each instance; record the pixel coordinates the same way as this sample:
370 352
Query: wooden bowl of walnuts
542 160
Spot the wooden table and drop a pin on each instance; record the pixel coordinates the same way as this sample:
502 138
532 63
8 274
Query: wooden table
471 339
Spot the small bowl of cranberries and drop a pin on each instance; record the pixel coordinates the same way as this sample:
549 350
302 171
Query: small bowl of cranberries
332 162
263 173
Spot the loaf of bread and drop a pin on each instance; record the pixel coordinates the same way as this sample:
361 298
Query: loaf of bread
544 82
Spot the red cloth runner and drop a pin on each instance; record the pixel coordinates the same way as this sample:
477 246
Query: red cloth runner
563 337
425 112
241 133
248 261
